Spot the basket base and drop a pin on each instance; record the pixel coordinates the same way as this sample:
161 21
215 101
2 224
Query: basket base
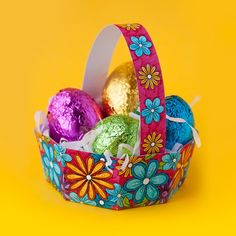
85 178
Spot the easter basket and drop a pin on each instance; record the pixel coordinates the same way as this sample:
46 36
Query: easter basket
119 183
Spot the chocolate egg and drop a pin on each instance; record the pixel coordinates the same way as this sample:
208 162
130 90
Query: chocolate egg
71 114
115 130
178 132
120 93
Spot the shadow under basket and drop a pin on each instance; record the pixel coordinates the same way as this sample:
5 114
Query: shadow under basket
85 177
142 180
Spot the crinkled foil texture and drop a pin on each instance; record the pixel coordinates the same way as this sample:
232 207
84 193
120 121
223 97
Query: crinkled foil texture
178 132
115 130
120 94
71 114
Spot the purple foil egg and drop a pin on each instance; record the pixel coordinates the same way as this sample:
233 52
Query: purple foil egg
71 114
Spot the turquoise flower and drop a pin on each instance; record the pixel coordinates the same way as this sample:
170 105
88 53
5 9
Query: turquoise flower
61 155
107 203
140 46
74 198
50 165
100 157
146 181
171 160
152 111
119 195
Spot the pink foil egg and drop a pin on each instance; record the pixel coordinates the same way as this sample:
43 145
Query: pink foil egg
71 114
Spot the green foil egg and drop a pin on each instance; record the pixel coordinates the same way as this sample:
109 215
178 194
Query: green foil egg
113 131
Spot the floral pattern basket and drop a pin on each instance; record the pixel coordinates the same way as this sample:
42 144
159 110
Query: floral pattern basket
151 178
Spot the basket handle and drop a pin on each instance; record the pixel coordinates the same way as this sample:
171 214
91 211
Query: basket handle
148 75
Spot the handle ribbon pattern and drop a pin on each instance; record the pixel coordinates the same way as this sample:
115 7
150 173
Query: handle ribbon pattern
148 75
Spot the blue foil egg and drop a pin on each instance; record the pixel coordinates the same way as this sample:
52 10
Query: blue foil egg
178 132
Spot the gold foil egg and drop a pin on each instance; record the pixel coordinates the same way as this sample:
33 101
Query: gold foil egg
120 93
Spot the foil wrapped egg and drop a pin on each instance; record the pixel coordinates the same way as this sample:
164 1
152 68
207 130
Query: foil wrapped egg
71 114
178 132
113 131
120 93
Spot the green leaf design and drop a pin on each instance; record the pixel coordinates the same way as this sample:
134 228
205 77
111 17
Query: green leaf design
47 139
161 164
143 203
126 202
149 156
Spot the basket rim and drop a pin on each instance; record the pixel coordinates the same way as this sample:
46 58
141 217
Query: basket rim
113 157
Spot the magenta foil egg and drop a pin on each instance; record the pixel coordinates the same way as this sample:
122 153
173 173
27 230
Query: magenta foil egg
71 114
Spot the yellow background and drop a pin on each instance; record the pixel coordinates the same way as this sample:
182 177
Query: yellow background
44 47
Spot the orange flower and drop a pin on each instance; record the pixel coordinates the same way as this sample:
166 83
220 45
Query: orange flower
186 154
149 76
153 143
127 171
89 178
130 26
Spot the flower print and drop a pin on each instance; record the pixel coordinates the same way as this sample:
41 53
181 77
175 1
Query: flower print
140 46
186 170
149 156
145 202
89 178
173 192
41 138
119 195
127 170
170 161
50 165
152 143
152 110
60 154
182 165
105 203
146 181
74 198
98 157
183 179
180 182
65 188
164 193
101 157
133 26
149 76
46 174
